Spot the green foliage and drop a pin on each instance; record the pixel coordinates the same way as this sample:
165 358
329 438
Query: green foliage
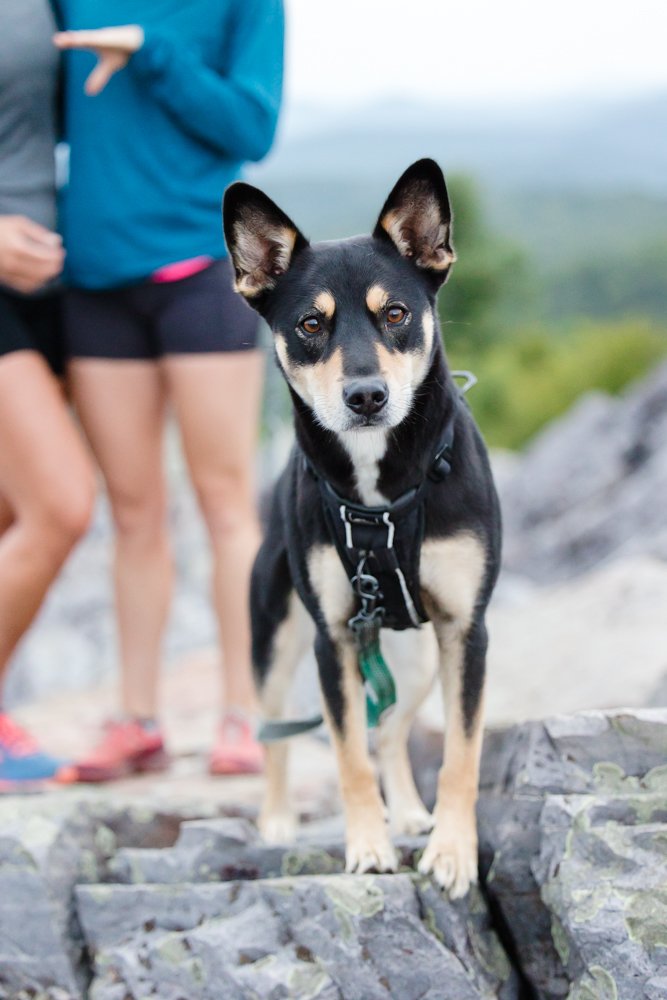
527 380
491 280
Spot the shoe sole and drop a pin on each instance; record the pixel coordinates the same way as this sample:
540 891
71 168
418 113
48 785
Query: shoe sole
152 762
232 767
65 775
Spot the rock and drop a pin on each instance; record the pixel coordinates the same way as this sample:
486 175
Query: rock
591 485
335 936
602 871
613 766
48 844
183 903
45 848
589 790
612 620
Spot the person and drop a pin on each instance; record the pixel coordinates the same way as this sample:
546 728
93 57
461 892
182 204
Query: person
158 127
46 478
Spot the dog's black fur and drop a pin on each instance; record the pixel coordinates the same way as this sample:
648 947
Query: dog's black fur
369 308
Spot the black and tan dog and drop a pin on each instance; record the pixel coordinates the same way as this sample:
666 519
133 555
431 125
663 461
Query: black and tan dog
376 409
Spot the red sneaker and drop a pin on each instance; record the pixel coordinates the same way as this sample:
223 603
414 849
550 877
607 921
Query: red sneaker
127 747
236 750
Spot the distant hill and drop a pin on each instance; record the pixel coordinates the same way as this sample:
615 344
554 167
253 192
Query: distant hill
564 179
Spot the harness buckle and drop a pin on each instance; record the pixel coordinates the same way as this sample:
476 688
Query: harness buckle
351 517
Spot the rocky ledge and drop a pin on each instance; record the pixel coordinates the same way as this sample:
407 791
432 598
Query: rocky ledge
114 902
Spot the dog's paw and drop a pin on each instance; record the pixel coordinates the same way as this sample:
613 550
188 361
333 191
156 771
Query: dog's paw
277 828
365 853
452 860
411 821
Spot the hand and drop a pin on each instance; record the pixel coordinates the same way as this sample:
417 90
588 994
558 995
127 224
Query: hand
112 46
30 254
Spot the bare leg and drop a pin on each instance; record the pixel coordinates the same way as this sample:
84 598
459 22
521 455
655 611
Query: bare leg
217 401
121 405
287 645
47 488
7 517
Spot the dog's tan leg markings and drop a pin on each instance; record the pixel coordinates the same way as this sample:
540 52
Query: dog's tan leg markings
367 840
452 571
276 820
413 659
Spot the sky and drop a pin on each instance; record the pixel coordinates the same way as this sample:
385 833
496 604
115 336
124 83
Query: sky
346 52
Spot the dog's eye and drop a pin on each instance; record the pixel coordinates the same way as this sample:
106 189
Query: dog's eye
310 325
395 314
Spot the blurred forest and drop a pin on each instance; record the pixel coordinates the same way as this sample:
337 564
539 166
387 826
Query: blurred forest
538 339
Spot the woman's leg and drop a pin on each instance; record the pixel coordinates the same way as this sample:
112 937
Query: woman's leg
217 402
7 517
47 488
121 406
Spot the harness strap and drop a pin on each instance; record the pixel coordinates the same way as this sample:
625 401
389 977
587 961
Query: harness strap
279 729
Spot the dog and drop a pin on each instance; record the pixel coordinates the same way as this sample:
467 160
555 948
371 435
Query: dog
378 419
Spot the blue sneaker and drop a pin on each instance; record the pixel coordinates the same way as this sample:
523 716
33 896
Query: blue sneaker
23 766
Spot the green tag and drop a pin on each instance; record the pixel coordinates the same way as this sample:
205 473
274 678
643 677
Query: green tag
379 684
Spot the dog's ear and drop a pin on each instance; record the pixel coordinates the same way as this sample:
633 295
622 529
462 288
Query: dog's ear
416 217
262 240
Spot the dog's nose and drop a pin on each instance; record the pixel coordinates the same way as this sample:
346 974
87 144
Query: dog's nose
366 396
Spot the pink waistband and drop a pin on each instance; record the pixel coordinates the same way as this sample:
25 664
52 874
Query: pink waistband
181 269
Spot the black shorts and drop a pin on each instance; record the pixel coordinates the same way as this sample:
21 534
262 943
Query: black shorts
32 324
195 315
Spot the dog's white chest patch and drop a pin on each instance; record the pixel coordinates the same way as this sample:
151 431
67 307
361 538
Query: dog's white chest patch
366 449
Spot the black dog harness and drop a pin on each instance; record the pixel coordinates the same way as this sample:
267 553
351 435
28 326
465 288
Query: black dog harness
379 548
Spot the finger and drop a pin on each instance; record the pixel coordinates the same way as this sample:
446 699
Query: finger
30 279
79 39
99 77
30 254
39 234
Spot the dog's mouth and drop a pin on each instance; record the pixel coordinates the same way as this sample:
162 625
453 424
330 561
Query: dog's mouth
362 423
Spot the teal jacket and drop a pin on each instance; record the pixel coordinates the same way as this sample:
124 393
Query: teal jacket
152 154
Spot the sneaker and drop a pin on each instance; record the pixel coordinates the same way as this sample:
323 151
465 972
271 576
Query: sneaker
236 750
23 766
127 747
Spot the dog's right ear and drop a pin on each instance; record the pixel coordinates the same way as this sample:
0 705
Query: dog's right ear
262 240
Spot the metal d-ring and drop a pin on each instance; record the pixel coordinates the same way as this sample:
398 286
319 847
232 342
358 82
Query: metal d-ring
470 379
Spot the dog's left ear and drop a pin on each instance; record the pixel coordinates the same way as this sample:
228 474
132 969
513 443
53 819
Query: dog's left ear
416 217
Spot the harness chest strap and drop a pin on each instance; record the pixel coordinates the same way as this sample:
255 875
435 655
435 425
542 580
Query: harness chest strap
366 539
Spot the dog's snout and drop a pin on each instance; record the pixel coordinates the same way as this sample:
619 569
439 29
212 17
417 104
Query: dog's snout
366 396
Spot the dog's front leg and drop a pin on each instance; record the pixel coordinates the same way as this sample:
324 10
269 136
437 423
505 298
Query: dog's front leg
451 853
368 846
452 574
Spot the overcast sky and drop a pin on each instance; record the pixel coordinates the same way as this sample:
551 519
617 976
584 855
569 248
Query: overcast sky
473 51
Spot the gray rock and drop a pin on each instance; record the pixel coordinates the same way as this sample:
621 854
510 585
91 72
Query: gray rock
183 903
327 936
48 844
591 485
527 830
604 881
45 847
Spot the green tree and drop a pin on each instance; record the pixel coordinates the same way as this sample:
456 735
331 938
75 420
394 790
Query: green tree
491 284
